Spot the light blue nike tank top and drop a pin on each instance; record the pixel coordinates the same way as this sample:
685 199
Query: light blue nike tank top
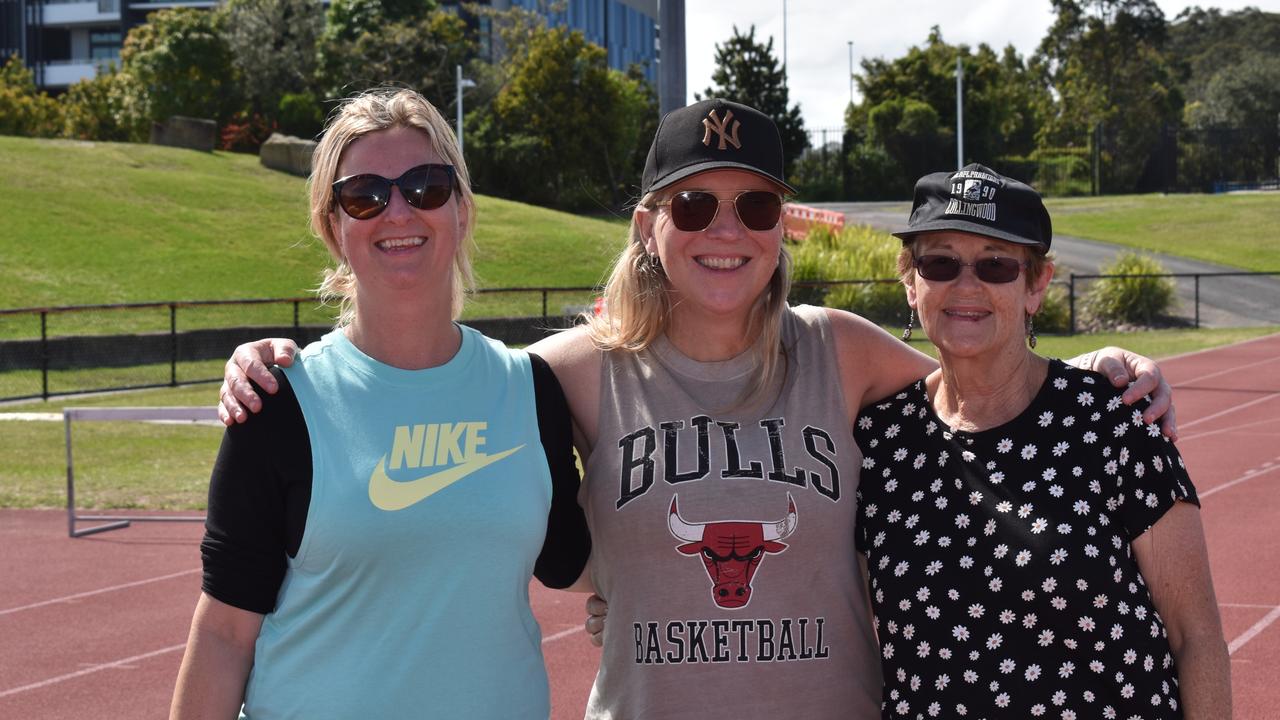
409 594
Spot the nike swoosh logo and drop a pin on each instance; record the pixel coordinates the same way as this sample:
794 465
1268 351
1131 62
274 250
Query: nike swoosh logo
388 494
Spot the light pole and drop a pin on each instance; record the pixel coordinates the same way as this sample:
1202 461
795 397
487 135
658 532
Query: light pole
850 72
959 114
461 85
784 43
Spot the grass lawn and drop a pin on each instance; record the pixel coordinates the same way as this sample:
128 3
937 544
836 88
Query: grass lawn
143 465
91 223
1237 230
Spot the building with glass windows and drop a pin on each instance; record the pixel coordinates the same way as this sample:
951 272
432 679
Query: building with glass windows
64 41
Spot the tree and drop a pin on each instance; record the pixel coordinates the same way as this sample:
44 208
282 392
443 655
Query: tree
747 72
564 129
1103 61
177 63
907 114
273 48
420 53
23 111
373 26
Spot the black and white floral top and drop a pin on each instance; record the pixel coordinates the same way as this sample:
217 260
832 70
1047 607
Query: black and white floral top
1001 574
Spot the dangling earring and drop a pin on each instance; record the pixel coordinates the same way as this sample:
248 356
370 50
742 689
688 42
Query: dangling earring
1031 332
911 321
655 263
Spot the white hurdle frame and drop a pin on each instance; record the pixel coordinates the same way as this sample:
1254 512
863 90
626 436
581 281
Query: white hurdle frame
115 522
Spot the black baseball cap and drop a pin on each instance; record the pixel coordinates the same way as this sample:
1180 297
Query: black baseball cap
710 135
979 200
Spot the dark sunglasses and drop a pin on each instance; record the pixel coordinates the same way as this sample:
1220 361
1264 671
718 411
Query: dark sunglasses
425 187
944 268
694 210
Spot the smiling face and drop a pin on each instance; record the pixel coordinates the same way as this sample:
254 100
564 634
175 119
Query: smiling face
966 317
403 253
721 271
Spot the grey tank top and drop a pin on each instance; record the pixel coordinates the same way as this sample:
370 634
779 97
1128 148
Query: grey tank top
723 538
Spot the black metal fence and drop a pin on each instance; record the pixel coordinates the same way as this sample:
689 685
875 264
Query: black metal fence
53 351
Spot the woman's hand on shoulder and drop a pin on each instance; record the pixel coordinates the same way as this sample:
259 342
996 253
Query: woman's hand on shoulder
873 363
1140 376
251 361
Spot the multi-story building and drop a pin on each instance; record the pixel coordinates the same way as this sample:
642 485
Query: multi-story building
64 41
647 33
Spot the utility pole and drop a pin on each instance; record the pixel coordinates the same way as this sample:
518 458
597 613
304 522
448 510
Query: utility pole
959 113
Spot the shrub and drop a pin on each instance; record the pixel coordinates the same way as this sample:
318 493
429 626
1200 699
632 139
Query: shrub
1054 315
92 109
23 110
300 115
1130 300
856 253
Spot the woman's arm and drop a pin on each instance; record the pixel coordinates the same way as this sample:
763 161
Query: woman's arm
216 665
1175 565
874 363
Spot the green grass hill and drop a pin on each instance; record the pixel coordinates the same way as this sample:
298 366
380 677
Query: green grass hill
88 223
1236 230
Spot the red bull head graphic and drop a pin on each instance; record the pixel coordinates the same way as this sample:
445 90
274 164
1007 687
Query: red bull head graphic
731 550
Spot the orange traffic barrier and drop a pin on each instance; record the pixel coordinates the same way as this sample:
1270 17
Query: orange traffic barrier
798 219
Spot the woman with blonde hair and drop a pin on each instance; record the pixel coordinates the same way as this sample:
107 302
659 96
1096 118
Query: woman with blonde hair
714 423
371 538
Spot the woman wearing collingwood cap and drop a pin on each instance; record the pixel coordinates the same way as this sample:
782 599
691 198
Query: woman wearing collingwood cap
714 423
1034 546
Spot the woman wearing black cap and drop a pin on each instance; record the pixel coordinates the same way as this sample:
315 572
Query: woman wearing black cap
714 423
1034 547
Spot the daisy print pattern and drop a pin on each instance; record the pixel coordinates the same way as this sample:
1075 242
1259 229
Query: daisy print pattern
1033 606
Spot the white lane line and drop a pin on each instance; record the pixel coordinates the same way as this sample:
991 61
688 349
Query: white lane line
1226 371
89 670
1245 477
99 591
1231 429
1252 606
563 633
28 417
1230 410
1252 632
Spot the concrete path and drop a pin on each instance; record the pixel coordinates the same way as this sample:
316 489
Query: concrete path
1224 301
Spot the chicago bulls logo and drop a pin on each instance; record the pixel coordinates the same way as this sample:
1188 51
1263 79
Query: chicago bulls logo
727 132
731 550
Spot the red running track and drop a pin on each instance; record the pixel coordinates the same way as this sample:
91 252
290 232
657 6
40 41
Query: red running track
95 627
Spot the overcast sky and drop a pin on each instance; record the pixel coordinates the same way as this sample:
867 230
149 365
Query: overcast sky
819 31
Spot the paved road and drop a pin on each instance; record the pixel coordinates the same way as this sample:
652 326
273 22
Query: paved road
1224 302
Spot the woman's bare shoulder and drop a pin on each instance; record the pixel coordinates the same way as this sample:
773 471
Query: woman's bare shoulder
569 353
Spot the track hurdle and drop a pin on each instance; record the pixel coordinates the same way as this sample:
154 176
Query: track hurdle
145 414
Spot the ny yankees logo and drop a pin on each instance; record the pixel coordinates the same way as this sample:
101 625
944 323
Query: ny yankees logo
718 126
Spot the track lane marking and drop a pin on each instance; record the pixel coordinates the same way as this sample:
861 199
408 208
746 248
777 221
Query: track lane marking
1226 371
89 670
1230 410
1231 429
1243 478
562 634
1253 632
99 591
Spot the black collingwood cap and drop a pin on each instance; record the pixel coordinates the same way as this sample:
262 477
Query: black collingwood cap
979 200
709 135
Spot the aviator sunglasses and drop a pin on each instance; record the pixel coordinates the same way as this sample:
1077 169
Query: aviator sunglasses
945 268
425 187
694 210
